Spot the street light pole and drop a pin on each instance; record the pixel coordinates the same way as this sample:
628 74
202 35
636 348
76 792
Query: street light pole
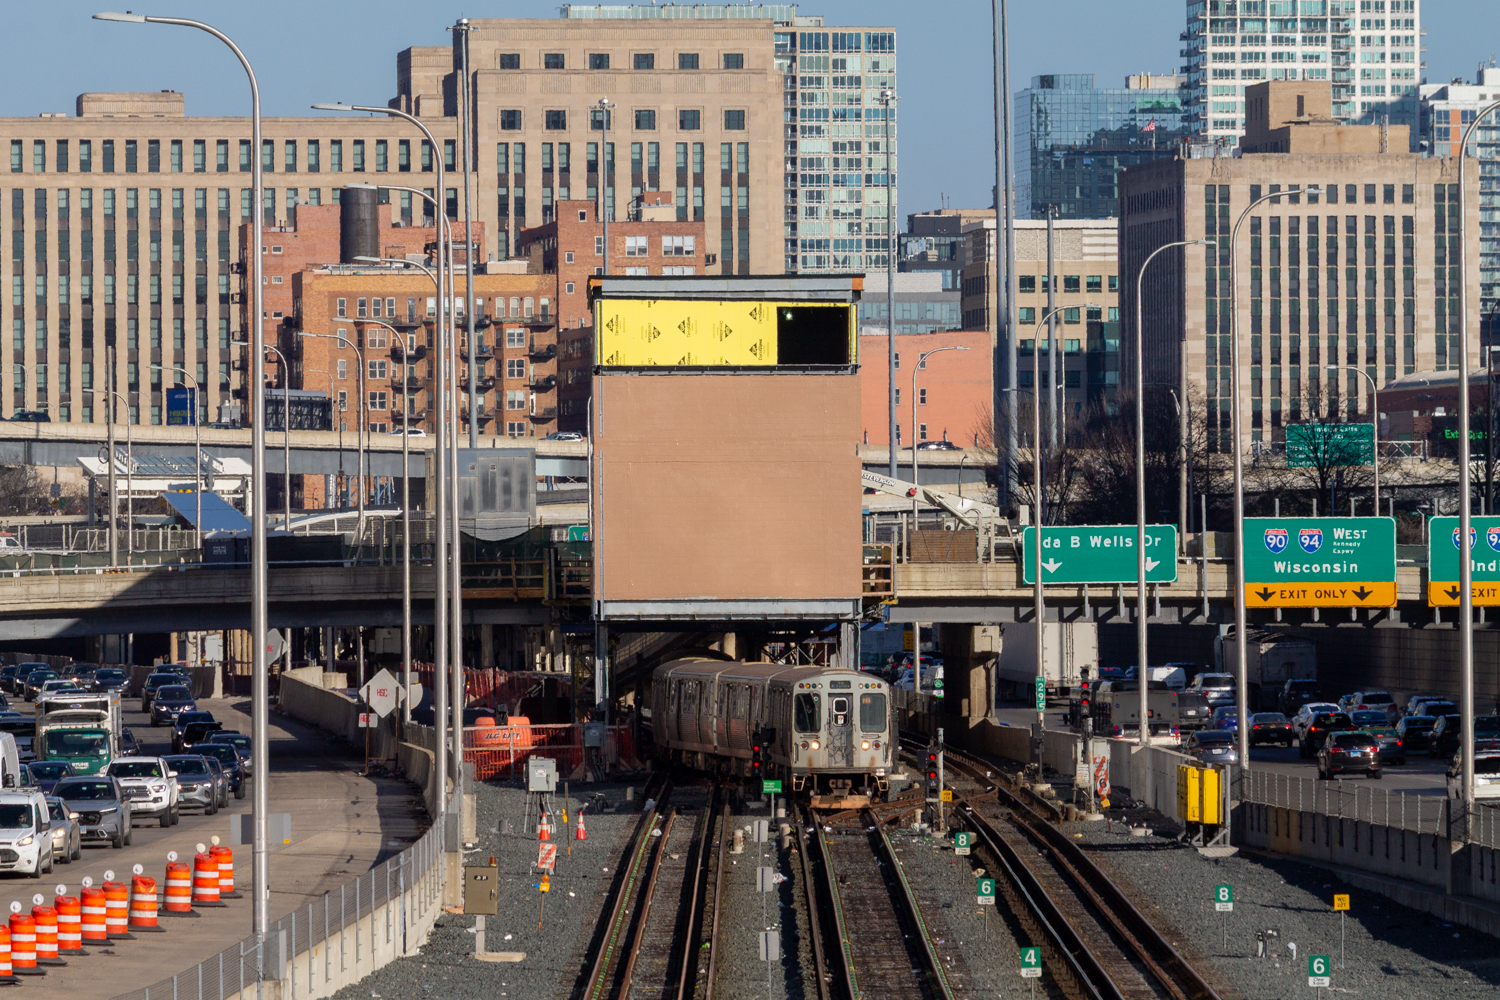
921 360
1038 485
1374 424
286 439
198 450
604 107
1143 669
360 432
888 100
466 122
1236 421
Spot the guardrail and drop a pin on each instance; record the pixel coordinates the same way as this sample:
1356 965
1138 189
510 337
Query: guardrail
1360 802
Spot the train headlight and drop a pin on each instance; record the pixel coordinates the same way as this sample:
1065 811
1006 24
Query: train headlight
815 745
864 744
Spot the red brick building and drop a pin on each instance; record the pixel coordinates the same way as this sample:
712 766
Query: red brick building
954 388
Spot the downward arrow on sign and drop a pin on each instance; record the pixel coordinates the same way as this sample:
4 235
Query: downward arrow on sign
1152 563
1052 565
1452 592
1266 594
1362 593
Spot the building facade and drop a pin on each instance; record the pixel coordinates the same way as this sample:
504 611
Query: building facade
1073 139
954 389
1369 51
935 241
922 304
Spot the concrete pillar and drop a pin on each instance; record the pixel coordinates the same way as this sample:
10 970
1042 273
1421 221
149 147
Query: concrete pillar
486 646
968 694
172 647
728 644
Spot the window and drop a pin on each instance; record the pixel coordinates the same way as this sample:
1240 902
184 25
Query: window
361 308
515 337
922 394
382 163
377 400
598 60
510 60
645 60
343 399
1071 315
568 287
687 60
734 60
343 370
679 246
359 156
555 121
553 60
515 428
645 119
515 367
689 120
375 336
873 717
1114 282
734 121
515 399
1094 283
342 308
568 257
598 246
510 121
1026 283
1071 284
376 370
807 713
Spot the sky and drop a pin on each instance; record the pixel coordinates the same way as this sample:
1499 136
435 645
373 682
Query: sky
332 50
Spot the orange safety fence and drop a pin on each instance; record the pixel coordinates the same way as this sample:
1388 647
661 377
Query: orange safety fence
502 751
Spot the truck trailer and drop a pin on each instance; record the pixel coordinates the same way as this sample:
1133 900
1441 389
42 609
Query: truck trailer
1071 648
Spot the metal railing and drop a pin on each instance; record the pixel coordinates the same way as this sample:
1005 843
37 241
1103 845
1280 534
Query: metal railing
400 886
1362 802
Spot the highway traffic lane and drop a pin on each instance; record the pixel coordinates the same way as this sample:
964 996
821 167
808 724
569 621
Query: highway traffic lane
342 824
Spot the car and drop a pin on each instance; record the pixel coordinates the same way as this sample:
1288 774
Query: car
1305 715
1348 751
109 679
25 833
129 746
60 685
1486 775
221 780
415 432
1435 707
1296 693
941 445
229 759
1217 688
102 806
31 417
23 729
67 835
1417 704
1363 718
7 676
1212 746
1192 711
240 742
35 681
1415 732
1317 732
168 702
1270 727
197 785
1377 700
151 683
45 774
1443 740
17 681
1226 718
198 723
1392 750
563 436
81 674
149 784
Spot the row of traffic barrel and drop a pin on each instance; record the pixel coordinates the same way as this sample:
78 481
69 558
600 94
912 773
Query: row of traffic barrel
115 911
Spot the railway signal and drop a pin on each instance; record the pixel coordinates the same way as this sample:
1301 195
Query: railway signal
757 755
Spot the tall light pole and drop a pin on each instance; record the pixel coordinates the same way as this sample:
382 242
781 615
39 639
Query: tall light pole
198 453
921 360
466 131
361 433
286 437
1005 246
1466 567
110 396
259 687
888 100
1374 424
1039 603
1236 422
605 210
1143 669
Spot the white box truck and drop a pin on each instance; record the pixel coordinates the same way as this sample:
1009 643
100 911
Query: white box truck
1272 658
1069 648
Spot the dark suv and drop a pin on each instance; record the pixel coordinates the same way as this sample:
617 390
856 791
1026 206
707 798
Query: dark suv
168 702
1318 730
1295 694
1343 752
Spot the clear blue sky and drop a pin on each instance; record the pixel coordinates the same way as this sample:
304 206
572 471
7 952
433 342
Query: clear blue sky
326 50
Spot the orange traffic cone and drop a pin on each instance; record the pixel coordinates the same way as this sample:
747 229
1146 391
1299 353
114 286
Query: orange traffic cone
580 833
544 830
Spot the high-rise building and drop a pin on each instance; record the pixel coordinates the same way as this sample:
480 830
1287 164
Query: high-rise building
935 241
1448 109
1073 139
1369 51
923 304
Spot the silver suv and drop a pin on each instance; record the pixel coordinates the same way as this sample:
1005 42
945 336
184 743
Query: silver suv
150 785
101 804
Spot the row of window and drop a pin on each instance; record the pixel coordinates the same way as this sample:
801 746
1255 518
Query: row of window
292 149
638 60
521 307
556 120
1071 283
640 246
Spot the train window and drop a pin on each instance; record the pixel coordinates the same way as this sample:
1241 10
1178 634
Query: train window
872 714
808 713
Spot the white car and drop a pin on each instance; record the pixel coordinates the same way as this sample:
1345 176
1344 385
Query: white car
25 833
1219 689
1305 714
1486 776
150 785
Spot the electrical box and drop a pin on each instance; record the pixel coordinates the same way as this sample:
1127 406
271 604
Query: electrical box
593 734
481 889
1200 795
541 774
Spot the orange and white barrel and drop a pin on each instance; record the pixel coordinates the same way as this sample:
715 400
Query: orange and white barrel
117 911
143 905
23 946
225 857
46 935
205 880
69 925
95 930
179 901
7 973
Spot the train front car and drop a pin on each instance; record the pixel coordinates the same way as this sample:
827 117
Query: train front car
824 732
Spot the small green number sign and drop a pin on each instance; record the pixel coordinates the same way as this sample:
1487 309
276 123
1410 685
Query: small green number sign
768 786
1041 694
986 892
1317 970
1223 898
962 842
1031 963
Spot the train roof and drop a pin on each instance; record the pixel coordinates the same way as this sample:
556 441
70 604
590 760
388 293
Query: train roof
735 669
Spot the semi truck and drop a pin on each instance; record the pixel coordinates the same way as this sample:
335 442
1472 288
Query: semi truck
1070 648
1271 659
82 729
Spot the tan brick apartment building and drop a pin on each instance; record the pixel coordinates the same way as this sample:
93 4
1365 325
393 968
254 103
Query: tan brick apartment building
1365 274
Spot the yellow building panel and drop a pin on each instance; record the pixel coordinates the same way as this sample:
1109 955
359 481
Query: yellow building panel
690 332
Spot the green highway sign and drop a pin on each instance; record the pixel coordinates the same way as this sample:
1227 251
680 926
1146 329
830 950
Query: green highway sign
1320 562
770 785
1317 971
1224 898
986 892
1041 694
1326 445
1076 554
1031 963
963 842
1443 565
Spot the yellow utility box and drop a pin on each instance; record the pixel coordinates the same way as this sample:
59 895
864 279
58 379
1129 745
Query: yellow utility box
1200 795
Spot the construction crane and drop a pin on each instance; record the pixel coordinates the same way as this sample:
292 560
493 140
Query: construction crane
967 510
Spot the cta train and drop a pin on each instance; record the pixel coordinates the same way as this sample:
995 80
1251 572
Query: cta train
827 732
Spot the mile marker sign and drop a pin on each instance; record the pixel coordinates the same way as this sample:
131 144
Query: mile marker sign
986 892
1317 971
1224 898
1031 963
963 842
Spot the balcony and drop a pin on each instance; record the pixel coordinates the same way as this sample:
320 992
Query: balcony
545 384
542 415
481 385
410 384
414 418
399 353
485 353
542 353
483 417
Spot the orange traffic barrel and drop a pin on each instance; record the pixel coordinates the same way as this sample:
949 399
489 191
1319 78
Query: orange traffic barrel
7 974
23 946
225 857
46 936
94 927
69 925
205 881
179 890
143 905
117 911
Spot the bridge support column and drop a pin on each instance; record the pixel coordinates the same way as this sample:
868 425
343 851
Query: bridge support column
487 646
601 669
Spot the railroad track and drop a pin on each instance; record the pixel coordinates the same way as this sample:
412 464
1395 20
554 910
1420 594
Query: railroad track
1094 941
879 946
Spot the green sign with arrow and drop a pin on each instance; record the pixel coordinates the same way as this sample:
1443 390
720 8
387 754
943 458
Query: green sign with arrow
1077 554
1320 562
1443 563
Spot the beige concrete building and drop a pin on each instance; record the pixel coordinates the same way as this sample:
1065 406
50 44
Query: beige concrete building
1365 273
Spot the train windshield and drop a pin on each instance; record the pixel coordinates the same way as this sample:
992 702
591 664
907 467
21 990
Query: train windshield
808 713
872 714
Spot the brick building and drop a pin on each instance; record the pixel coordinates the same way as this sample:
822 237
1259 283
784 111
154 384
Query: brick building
954 389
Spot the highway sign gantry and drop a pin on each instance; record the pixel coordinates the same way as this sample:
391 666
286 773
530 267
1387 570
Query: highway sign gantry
1320 562
1079 554
1443 561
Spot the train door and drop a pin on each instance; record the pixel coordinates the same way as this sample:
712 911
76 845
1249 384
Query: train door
840 729
687 706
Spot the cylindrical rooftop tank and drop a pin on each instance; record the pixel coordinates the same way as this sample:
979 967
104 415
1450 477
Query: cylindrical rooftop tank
359 223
